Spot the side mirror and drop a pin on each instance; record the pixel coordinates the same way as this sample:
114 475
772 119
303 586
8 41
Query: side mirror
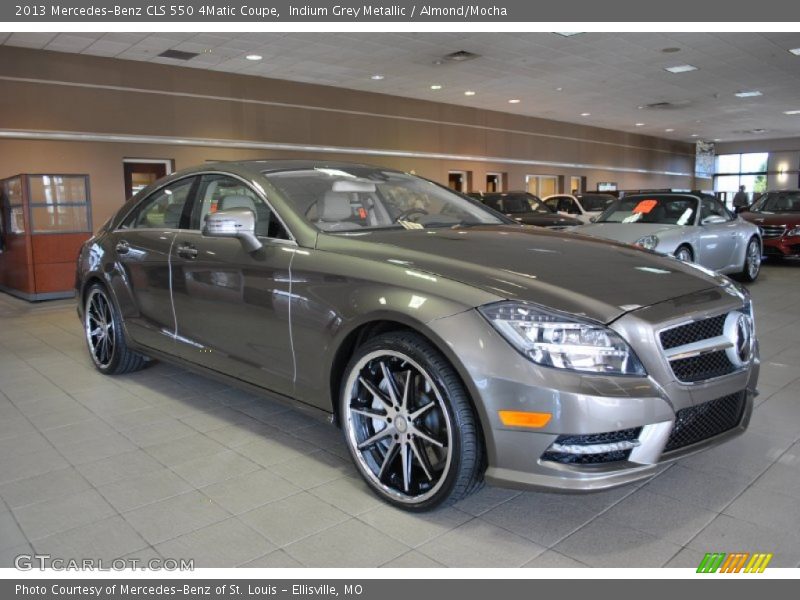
234 223
713 220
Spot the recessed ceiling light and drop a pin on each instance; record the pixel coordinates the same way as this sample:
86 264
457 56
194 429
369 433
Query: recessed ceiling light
469 93
377 77
254 57
669 130
681 68
559 89
670 50
567 33
514 101
695 135
586 114
791 112
639 124
717 139
795 51
436 87
748 94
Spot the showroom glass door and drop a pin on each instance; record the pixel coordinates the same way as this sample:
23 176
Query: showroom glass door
232 306
541 185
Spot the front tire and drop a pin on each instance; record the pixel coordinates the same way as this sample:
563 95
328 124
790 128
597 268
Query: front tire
105 336
409 424
752 261
684 254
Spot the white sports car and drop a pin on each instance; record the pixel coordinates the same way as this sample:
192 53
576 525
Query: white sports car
692 228
583 206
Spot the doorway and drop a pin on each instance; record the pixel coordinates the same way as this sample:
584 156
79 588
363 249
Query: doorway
541 185
495 182
459 181
139 173
576 185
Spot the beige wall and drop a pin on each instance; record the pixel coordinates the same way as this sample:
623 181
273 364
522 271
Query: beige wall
216 112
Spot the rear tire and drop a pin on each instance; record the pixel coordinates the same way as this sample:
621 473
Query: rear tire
409 424
105 336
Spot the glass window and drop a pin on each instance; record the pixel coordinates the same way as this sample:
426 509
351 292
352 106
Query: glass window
667 210
49 219
221 192
728 163
57 189
709 207
351 198
163 208
754 163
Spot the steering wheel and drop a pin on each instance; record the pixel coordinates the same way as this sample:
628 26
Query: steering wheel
408 212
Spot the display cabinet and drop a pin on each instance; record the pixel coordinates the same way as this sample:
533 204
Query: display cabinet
44 219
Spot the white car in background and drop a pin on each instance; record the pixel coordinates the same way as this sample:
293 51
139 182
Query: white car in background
582 206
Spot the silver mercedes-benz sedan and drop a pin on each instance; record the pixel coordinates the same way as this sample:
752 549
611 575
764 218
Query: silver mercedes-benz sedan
692 228
449 343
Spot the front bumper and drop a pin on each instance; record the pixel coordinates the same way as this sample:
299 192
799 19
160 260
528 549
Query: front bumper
782 246
500 378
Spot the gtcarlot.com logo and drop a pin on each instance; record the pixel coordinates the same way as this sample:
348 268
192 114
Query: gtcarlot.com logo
29 562
737 562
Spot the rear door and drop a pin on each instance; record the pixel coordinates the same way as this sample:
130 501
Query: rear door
142 244
232 307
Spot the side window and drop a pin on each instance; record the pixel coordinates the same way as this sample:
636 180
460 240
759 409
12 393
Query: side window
162 209
552 203
711 207
574 209
493 202
222 192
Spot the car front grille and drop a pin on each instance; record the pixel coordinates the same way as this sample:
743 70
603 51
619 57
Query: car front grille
705 421
703 366
693 332
772 231
593 439
696 351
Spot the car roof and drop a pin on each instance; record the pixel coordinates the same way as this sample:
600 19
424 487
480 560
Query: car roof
273 165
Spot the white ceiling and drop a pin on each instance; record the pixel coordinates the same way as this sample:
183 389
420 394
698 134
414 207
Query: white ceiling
609 75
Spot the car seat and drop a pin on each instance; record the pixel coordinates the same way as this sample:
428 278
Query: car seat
335 212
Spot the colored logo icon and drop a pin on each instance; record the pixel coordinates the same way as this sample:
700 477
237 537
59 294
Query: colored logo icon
737 562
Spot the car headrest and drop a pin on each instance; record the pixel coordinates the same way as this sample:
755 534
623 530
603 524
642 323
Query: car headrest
335 206
234 201
172 215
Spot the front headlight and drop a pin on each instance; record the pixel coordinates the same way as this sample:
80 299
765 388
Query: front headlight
648 242
794 232
554 339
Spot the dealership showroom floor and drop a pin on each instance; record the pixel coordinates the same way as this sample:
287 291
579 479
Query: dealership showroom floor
164 463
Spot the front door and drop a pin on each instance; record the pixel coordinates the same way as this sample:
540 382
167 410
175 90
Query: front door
232 307
717 240
142 244
139 174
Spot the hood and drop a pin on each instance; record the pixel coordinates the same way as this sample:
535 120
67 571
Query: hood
599 279
626 233
772 218
544 219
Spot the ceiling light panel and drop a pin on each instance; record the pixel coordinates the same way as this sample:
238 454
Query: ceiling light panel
681 68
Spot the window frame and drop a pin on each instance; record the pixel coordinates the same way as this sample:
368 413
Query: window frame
136 210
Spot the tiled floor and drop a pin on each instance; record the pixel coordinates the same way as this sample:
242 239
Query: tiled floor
166 463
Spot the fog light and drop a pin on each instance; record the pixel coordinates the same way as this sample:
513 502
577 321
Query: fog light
520 418
594 448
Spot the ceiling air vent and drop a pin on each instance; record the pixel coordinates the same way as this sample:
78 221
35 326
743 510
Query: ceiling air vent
178 54
460 56
666 105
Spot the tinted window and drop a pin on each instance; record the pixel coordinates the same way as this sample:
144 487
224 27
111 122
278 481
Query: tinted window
163 209
779 202
710 206
221 192
596 202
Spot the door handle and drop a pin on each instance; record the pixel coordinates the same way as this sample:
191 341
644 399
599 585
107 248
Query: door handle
122 247
187 251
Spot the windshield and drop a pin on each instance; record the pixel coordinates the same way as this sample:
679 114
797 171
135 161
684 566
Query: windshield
357 198
596 202
667 210
778 202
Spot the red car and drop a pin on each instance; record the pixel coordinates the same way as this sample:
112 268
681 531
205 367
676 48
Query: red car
778 216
